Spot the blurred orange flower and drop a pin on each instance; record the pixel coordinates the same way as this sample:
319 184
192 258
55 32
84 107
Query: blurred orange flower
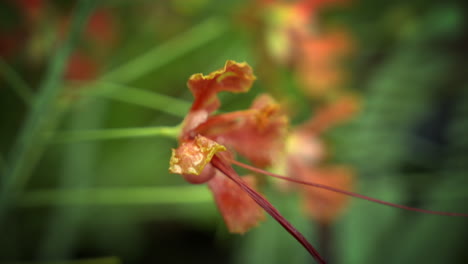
322 205
306 151
81 67
319 62
101 32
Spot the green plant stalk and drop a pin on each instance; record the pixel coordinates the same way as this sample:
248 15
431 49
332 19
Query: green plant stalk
42 118
196 37
117 196
19 86
119 133
78 168
155 58
140 97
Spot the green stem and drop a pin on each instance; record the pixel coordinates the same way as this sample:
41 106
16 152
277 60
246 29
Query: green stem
79 163
139 97
119 133
43 117
159 56
117 196
16 82
151 60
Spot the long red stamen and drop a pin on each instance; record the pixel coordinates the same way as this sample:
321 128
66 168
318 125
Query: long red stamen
267 206
333 189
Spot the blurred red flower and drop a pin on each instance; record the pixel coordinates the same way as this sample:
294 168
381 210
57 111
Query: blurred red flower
305 154
319 62
81 67
101 35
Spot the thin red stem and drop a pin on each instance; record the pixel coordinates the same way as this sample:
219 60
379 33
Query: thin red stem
267 206
333 189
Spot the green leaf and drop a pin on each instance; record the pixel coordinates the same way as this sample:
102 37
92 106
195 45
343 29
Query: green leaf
106 134
159 56
117 196
43 117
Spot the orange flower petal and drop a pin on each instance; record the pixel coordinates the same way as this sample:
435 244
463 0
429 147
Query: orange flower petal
234 77
259 135
240 212
192 156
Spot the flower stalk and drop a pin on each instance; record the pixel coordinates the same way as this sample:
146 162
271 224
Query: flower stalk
267 206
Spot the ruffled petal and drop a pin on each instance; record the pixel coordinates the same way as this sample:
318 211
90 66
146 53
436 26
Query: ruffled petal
234 77
191 157
257 134
239 210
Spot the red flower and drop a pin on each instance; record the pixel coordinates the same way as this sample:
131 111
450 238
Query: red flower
203 156
319 62
102 28
289 24
204 135
33 9
257 134
81 67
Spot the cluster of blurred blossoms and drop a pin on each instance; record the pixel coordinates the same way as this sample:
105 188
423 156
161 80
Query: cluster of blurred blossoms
33 28
298 40
296 37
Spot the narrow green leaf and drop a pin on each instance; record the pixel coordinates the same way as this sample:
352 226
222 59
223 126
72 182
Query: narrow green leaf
79 163
43 117
19 86
116 196
140 97
106 134
159 56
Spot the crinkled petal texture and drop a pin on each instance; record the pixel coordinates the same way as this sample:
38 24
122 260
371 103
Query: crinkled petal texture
323 205
239 210
234 77
257 134
191 157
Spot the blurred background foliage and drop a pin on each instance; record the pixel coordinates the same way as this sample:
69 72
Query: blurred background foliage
81 65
